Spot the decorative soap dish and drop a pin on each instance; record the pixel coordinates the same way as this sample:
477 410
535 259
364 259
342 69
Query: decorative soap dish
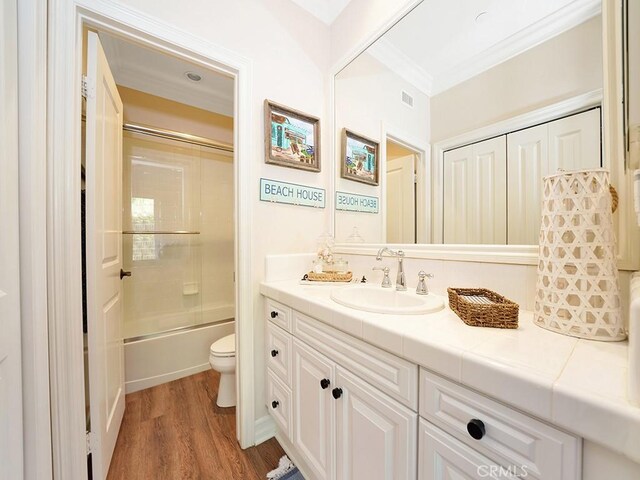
479 307
329 277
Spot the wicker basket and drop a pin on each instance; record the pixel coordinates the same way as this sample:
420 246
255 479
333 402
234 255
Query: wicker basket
329 277
479 307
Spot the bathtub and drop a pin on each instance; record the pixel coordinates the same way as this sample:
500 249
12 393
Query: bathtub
156 359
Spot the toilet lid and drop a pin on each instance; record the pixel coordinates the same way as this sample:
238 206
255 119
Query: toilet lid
226 346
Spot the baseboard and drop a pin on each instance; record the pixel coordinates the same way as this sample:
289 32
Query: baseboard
148 382
264 429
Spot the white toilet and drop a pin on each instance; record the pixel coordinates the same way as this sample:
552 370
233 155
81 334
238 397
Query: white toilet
222 357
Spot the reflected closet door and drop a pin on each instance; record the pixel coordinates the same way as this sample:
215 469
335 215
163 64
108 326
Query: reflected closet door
475 193
528 162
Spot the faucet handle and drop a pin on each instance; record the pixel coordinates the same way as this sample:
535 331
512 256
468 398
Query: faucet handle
386 281
422 289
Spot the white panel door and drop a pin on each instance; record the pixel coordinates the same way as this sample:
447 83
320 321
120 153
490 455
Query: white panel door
475 193
401 200
442 457
11 453
313 409
490 192
104 257
527 163
458 182
574 142
375 435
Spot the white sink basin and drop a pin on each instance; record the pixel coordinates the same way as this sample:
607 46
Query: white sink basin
370 298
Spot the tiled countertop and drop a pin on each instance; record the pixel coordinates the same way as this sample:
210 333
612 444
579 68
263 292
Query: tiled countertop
578 385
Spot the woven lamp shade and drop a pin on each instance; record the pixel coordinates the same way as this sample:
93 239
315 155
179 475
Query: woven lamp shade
577 291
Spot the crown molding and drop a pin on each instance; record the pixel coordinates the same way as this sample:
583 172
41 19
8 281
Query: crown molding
401 64
560 21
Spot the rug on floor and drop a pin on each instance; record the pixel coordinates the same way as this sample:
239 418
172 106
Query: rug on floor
293 475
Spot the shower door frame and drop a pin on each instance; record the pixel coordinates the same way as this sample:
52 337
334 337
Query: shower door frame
65 46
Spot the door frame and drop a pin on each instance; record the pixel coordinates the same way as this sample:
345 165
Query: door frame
422 150
65 47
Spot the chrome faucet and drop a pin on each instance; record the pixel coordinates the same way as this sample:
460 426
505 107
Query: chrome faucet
401 282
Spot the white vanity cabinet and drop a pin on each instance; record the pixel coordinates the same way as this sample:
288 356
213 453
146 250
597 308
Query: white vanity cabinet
341 425
351 411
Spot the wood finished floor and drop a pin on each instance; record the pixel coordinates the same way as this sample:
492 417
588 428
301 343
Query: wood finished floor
176 431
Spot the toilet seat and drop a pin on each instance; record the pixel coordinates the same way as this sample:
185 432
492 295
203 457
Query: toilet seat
225 347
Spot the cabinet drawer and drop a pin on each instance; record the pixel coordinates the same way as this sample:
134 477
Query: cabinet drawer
279 353
390 374
279 403
510 437
442 457
278 313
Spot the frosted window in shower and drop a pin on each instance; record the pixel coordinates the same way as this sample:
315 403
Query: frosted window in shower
143 218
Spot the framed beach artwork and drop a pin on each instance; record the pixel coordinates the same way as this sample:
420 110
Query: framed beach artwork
292 138
360 158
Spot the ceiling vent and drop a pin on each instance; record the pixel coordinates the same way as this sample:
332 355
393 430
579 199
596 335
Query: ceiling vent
407 99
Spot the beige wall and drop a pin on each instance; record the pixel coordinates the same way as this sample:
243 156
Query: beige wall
561 68
140 107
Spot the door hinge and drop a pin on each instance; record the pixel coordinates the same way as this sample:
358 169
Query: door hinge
86 90
415 178
88 443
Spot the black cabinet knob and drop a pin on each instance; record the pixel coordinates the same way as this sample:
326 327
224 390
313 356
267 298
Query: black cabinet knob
337 393
124 274
275 404
274 353
476 429
324 383
274 314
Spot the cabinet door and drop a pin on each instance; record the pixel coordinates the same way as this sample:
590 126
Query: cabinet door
442 457
574 142
314 409
527 163
375 435
475 193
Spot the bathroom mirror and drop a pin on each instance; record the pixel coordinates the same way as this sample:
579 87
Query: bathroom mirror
472 103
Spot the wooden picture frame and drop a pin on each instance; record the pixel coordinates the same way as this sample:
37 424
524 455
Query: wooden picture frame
292 138
360 160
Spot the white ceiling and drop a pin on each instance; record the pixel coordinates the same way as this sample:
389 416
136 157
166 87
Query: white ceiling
162 75
325 10
440 43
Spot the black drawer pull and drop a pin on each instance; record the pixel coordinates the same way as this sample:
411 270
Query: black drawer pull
274 353
274 314
324 383
275 404
476 429
337 393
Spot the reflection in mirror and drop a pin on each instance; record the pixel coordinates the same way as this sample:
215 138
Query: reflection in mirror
472 103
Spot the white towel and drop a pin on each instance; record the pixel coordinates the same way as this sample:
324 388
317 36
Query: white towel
284 466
